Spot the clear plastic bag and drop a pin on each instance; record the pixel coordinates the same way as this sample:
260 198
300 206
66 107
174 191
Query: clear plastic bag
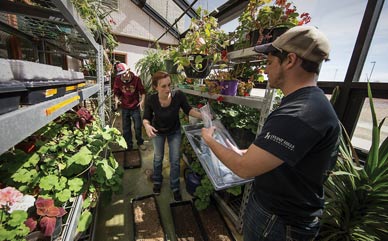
220 175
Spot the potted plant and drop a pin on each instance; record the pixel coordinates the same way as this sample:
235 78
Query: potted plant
170 57
356 197
72 158
201 46
263 21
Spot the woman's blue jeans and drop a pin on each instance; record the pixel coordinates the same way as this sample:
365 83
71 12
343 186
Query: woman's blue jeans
127 115
174 143
260 224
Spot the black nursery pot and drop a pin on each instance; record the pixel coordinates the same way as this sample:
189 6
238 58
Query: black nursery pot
171 68
198 73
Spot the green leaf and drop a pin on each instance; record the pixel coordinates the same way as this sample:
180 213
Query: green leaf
85 221
75 184
48 182
24 176
83 157
122 143
63 195
17 218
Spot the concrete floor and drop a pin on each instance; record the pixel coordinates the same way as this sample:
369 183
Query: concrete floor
115 221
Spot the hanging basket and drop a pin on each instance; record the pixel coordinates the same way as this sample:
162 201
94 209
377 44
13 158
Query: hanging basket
171 68
198 72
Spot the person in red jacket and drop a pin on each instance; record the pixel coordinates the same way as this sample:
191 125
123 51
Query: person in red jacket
130 94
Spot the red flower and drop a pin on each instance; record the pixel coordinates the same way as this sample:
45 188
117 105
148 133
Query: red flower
306 18
246 94
224 55
200 105
189 81
220 99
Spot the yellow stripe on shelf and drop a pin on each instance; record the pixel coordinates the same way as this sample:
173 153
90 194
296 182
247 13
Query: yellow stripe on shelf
51 92
60 105
71 87
81 85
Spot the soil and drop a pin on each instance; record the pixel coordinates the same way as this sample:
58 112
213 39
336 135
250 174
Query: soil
128 159
132 159
187 227
147 220
214 225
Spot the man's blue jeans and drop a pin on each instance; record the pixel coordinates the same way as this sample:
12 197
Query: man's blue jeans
260 224
174 143
127 114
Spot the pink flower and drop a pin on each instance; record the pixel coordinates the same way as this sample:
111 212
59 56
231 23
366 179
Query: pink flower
9 196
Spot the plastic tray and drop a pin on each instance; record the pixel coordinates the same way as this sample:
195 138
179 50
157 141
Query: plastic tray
39 91
10 93
130 159
184 216
220 176
145 218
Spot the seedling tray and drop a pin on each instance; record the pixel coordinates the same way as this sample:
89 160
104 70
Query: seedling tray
129 158
74 85
39 91
187 223
10 93
214 224
147 223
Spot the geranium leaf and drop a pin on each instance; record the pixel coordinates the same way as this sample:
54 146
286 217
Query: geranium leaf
75 184
63 195
17 218
83 157
22 175
48 182
85 221
48 225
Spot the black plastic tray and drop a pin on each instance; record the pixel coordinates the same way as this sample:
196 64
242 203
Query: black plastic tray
39 91
130 158
183 224
10 93
135 227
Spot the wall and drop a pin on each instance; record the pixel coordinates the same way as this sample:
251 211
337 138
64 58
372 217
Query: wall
131 21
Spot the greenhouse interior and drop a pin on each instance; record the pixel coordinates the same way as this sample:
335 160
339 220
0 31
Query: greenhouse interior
162 120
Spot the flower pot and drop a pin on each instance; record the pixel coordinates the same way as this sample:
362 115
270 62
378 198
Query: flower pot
229 87
192 180
272 34
198 72
171 68
36 236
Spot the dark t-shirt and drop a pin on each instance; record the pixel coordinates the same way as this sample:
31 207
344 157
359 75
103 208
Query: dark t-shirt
129 92
303 132
165 119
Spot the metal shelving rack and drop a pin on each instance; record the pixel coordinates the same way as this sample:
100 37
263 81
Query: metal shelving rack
56 23
235 211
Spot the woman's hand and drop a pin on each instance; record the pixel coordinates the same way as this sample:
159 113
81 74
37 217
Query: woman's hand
150 130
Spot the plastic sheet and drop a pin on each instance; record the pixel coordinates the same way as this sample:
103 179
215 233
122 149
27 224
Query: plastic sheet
220 175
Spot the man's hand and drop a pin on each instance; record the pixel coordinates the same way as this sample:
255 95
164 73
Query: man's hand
207 133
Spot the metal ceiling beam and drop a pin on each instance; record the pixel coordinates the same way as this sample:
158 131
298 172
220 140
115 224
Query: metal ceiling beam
157 17
229 10
31 11
184 5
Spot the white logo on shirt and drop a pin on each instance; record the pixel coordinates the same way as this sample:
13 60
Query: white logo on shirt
280 141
